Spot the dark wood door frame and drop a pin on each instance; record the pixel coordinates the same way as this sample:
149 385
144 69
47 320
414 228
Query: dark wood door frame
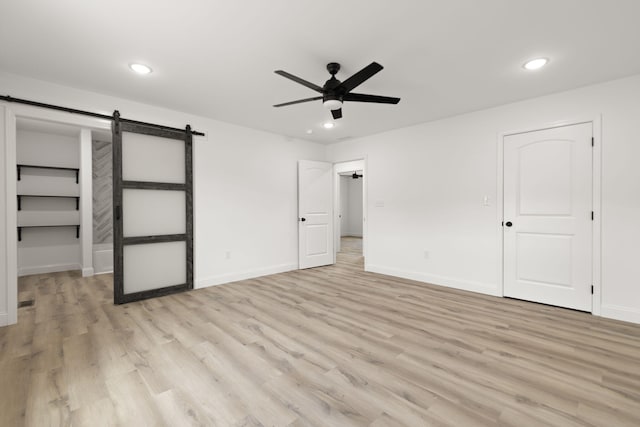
118 127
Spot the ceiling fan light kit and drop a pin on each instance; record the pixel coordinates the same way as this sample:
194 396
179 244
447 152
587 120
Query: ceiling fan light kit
335 93
332 104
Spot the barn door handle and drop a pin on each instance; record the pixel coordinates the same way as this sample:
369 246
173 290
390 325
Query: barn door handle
508 223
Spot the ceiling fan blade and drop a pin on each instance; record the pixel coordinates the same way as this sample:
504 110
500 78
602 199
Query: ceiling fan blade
299 101
299 80
337 114
361 97
359 77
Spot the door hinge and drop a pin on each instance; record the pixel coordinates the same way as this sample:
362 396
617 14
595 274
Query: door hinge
592 215
591 289
593 142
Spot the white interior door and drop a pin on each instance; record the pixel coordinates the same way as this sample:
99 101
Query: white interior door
548 216
315 214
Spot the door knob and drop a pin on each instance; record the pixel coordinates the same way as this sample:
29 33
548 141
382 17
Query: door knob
508 223
303 219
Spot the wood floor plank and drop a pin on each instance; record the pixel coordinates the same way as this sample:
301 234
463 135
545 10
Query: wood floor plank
133 403
51 405
329 346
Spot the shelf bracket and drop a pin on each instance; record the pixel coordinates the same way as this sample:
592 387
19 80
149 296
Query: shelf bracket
77 231
19 234
19 202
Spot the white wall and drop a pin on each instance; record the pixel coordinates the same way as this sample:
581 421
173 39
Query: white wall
44 250
354 217
344 205
350 206
245 182
450 165
246 202
48 149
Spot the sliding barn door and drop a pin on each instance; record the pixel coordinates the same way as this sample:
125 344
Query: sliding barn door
153 211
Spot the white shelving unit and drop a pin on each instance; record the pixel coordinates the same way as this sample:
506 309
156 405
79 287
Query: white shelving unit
47 191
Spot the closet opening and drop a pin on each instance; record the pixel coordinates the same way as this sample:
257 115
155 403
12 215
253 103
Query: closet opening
63 205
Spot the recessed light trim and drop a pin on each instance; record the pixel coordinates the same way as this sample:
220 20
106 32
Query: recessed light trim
328 125
535 64
309 131
140 68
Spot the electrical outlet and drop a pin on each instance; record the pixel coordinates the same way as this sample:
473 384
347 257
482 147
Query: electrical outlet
227 255
426 254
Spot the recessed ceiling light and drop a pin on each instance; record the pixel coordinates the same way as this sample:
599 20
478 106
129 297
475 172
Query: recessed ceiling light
309 131
140 68
535 64
328 125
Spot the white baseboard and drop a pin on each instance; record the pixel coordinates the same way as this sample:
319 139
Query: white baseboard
43 269
617 312
449 282
87 272
234 277
4 319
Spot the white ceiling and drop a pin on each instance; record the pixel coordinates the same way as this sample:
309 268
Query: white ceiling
216 58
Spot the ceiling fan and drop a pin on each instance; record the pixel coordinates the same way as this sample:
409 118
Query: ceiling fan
334 92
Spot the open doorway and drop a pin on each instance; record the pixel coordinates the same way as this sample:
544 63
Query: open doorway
48 217
350 214
63 178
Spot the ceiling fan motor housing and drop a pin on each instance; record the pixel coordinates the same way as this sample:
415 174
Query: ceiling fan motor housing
331 99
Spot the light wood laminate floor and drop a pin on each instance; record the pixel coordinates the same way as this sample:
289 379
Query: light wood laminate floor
351 245
330 346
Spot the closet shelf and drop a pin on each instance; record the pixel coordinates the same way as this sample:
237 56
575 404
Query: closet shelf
21 166
20 227
20 196
48 218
